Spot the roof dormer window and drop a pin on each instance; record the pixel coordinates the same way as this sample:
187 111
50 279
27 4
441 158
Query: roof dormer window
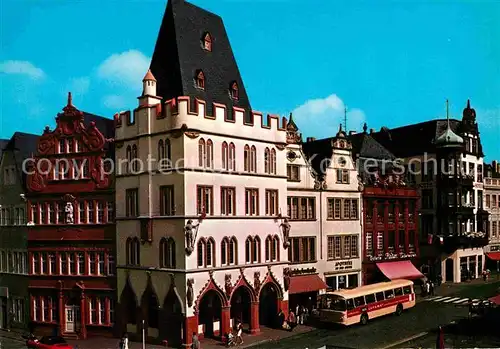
200 80
234 90
207 42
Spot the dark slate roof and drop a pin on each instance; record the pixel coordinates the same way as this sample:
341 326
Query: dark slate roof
365 146
178 55
414 139
489 168
23 146
319 154
105 125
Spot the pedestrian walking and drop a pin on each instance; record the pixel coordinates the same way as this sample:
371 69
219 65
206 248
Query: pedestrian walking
471 307
196 342
427 287
431 288
440 338
124 342
292 320
239 333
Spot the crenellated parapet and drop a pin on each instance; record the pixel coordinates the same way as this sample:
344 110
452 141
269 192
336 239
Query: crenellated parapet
192 114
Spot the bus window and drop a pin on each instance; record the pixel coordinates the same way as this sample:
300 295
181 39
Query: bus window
407 290
338 304
380 296
389 294
398 291
350 304
370 298
359 301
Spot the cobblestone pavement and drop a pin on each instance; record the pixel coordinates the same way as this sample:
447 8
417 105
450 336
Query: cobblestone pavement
9 343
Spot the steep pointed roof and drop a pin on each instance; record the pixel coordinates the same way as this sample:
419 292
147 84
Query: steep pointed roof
149 76
179 54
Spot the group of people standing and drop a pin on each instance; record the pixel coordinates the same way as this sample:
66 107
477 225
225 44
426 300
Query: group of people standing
297 317
427 288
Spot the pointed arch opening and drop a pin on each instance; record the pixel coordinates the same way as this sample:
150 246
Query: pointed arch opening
128 304
150 307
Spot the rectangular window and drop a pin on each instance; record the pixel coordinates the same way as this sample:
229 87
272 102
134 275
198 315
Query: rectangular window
342 176
271 202
101 264
302 249
205 199
293 173
94 308
354 209
82 217
132 202
36 262
354 246
92 263
81 263
338 247
338 208
64 263
111 212
90 212
72 263
380 241
102 310
252 202
330 248
45 265
369 244
346 246
111 312
301 208
111 264
167 200
100 212
228 201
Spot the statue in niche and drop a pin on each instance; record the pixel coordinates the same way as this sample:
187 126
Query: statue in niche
228 285
190 230
69 213
190 292
285 228
256 281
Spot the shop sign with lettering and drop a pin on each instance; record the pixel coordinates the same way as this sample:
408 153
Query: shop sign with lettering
343 265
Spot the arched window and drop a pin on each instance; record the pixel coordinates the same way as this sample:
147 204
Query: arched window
210 253
209 161
234 90
133 251
275 249
224 249
201 252
273 161
167 253
233 251
201 152
135 158
225 156
267 159
161 150
256 250
207 42
200 80
232 157
246 158
253 159
129 156
248 249
269 242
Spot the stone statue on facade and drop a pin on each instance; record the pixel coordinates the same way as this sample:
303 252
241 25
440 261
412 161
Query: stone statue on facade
190 231
69 213
285 228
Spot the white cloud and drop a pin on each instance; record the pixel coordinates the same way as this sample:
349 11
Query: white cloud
114 102
321 117
79 86
22 68
124 68
489 119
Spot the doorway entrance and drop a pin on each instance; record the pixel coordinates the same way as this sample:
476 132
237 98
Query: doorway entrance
240 305
72 313
210 313
268 305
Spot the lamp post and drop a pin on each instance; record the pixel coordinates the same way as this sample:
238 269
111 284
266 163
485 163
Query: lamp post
143 335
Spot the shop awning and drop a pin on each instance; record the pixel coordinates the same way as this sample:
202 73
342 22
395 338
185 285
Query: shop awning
494 256
495 300
400 270
306 283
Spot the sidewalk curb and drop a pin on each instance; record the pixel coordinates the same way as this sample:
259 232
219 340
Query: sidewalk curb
264 341
405 340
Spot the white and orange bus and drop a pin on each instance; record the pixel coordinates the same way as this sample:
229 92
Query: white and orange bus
358 305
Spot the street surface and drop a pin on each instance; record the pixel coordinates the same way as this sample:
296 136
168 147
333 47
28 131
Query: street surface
378 333
6 343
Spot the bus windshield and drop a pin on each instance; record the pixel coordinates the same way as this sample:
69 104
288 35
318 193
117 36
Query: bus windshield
333 302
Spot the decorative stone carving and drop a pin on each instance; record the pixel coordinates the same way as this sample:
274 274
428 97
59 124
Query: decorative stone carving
190 292
192 134
228 285
190 231
286 278
280 146
285 229
69 213
361 185
320 184
256 281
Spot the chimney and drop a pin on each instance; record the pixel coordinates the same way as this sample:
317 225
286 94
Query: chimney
310 139
352 133
372 130
494 164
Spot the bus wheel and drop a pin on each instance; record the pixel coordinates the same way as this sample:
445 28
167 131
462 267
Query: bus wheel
399 309
364 319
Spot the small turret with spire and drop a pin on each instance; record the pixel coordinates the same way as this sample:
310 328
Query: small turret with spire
449 138
149 84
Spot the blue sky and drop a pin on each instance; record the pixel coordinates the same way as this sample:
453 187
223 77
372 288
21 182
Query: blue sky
390 62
